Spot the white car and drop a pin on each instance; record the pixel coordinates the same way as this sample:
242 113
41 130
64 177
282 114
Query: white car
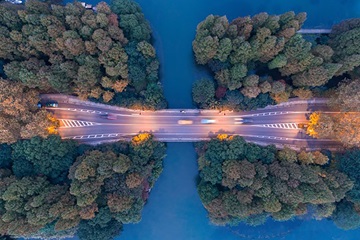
208 121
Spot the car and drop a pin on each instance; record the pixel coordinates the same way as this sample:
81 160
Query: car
208 121
185 122
109 116
247 120
52 104
243 120
182 111
39 105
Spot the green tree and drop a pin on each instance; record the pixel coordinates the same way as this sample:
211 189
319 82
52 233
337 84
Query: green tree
345 216
203 91
51 156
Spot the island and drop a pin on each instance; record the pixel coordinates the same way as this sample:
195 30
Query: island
259 61
58 188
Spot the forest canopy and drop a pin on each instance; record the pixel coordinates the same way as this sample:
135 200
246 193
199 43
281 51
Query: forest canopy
73 50
261 60
52 188
244 182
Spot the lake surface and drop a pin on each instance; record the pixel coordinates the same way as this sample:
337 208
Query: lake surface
174 210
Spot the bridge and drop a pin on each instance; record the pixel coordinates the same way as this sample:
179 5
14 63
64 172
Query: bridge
278 124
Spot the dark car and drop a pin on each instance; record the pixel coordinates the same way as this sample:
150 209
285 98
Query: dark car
247 120
108 116
52 104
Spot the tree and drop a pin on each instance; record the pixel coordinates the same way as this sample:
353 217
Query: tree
287 154
341 39
320 158
132 20
203 91
347 96
133 180
348 164
87 172
207 192
316 76
345 216
303 93
320 125
122 164
32 203
89 230
46 159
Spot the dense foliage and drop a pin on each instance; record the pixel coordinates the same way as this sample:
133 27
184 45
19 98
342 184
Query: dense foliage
242 181
107 186
19 116
344 125
261 59
347 214
71 49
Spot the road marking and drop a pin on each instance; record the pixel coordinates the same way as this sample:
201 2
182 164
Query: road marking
280 125
75 123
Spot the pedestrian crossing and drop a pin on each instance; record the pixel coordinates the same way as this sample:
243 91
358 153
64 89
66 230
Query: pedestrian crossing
282 125
74 123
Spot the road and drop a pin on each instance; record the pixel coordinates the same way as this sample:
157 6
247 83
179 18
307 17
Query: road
277 125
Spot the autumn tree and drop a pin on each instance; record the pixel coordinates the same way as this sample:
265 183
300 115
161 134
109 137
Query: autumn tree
19 115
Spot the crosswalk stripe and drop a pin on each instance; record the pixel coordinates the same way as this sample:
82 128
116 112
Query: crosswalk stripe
66 123
282 125
75 123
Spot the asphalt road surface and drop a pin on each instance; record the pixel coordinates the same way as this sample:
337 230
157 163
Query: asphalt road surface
86 122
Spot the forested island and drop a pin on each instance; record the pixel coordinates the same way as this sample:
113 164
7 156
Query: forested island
104 55
260 60
244 182
53 188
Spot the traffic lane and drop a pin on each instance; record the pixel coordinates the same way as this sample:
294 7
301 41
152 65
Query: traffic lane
104 107
195 137
176 129
141 119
